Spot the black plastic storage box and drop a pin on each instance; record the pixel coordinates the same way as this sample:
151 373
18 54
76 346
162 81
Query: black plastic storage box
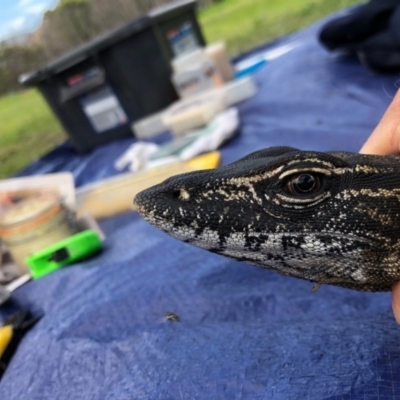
103 86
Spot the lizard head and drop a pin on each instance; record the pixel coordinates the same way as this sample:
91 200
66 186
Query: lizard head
326 217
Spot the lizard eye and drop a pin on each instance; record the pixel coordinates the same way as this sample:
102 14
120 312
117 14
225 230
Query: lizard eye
303 184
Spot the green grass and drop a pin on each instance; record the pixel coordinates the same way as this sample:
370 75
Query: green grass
244 24
29 129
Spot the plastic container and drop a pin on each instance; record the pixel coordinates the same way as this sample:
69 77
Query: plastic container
33 225
186 61
112 196
195 72
199 78
239 90
99 89
149 126
194 112
217 52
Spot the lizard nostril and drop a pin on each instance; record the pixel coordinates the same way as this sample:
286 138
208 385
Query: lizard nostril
181 194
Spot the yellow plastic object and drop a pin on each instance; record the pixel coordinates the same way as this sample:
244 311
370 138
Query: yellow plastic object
205 161
115 195
6 333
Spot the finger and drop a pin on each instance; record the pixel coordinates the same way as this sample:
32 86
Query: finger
385 139
396 301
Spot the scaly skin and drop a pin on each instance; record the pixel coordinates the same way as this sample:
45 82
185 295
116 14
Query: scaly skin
344 231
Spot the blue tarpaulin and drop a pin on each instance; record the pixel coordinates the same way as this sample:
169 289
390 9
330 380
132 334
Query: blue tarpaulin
244 332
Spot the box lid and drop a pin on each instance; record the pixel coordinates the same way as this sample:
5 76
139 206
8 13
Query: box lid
103 41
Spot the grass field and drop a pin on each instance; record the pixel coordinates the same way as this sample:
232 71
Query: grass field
29 129
244 24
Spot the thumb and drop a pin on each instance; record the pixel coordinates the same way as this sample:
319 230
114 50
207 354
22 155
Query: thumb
385 139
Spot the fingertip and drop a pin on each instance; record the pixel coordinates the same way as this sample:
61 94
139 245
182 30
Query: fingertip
396 301
385 139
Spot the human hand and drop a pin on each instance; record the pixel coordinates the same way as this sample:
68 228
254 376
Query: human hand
385 139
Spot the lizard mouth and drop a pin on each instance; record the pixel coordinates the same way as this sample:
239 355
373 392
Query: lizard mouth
149 200
155 208
139 206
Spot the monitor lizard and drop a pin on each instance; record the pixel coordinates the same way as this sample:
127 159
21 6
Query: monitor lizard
328 217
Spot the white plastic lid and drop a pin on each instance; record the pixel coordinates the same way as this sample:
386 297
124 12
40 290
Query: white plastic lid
188 60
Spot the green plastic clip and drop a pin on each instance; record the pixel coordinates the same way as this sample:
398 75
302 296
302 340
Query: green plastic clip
74 248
